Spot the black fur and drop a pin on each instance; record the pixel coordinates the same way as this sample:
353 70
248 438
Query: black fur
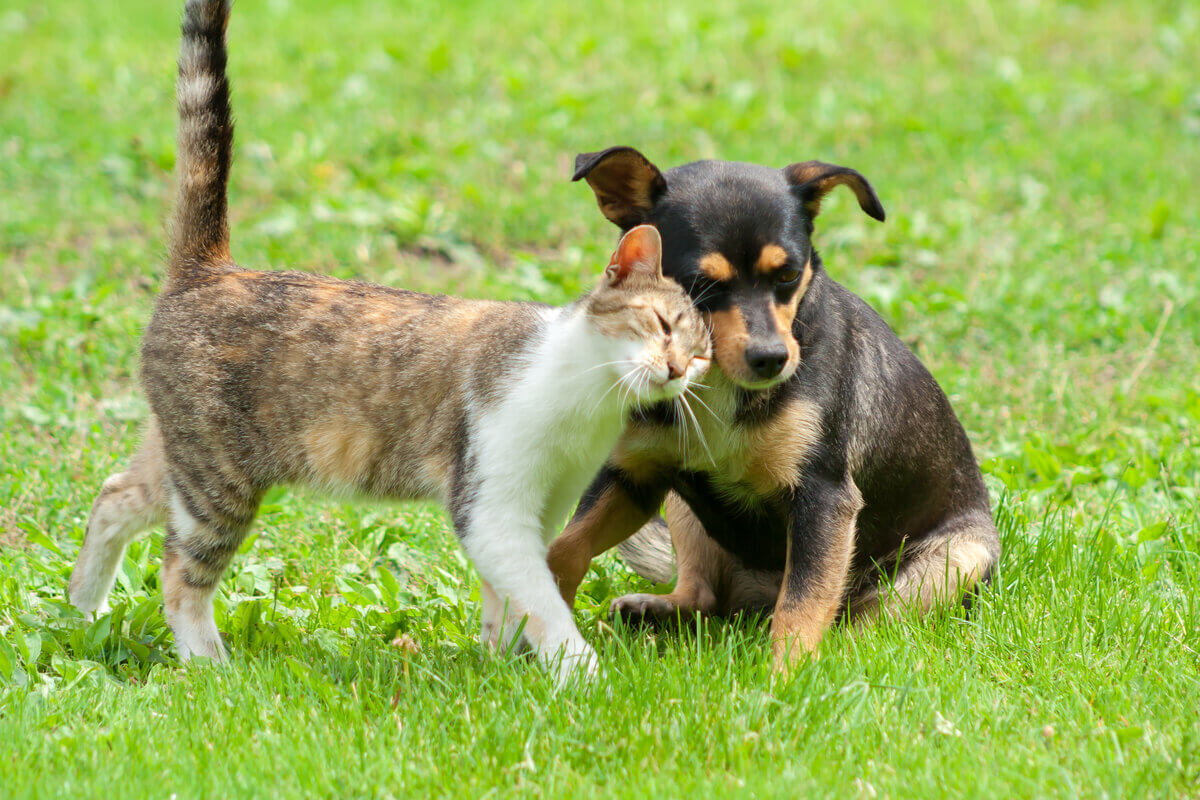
889 432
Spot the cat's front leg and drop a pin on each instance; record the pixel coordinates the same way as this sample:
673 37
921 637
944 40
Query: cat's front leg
504 541
501 622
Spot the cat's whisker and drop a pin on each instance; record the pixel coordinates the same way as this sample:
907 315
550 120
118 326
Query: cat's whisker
685 437
619 381
704 294
644 383
682 436
626 383
703 404
699 433
602 366
634 378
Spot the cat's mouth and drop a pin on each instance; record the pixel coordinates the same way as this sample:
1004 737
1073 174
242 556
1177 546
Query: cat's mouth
669 383
671 388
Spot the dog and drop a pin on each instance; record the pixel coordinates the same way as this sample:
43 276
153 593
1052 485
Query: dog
822 472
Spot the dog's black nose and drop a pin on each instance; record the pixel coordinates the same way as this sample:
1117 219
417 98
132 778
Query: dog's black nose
766 361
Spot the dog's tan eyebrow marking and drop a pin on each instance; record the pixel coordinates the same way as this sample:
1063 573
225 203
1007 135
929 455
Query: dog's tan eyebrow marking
716 266
771 258
805 279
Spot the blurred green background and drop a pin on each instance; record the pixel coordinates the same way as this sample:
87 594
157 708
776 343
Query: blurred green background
1038 163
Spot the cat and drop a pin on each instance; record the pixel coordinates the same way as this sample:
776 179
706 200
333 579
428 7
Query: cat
504 411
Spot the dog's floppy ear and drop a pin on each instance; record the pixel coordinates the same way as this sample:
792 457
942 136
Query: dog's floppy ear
626 184
812 180
639 253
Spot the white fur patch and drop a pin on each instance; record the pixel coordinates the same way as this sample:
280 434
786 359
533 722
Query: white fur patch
189 609
534 453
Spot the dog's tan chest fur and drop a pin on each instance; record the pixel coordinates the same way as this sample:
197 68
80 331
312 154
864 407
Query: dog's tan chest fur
742 459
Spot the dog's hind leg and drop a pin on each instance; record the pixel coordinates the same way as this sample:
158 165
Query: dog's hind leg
940 568
128 504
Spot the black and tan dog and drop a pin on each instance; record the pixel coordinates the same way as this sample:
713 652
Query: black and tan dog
824 472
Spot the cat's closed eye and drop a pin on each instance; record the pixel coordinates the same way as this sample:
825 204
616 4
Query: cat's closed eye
666 326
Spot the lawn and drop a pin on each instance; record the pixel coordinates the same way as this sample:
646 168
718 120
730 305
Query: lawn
1038 163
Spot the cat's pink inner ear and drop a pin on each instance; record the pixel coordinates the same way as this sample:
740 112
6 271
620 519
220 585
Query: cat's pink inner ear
640 252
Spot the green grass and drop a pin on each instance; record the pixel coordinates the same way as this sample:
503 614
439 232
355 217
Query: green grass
1038 164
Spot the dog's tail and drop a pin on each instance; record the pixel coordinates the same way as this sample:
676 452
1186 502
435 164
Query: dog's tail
199 239
648 552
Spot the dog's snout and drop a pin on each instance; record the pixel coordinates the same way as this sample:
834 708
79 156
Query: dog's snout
766 361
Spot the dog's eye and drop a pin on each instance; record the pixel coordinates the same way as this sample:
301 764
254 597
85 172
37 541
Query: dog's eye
788 274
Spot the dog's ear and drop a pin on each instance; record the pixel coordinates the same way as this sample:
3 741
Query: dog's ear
812 180
639 253
626 184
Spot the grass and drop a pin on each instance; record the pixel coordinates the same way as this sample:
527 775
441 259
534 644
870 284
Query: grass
1038 163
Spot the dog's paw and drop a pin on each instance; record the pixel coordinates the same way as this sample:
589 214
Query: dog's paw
644 608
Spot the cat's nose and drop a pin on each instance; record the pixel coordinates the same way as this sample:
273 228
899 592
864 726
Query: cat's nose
674 371
767 361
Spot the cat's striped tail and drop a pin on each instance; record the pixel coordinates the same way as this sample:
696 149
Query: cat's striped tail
200 228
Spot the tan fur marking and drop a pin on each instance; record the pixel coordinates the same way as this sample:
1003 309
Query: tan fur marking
930 576
770 259
693 549
777 449
784 316
802 613
806 171
716 267
340 449
611 520
805 280
623 186
635 454
200 173
796 632
729 341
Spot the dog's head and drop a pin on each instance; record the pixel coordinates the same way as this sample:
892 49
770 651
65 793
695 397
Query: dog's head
737 237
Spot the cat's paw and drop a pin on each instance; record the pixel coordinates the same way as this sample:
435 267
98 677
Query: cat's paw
576 663
644 608
503 636
489 634
93 614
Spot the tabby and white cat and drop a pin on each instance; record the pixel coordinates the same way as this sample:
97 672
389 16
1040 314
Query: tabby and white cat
503 411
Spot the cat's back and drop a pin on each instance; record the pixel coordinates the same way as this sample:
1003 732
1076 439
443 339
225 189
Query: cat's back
249 316
268 360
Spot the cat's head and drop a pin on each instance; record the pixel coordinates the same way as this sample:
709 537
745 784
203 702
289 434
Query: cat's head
657 341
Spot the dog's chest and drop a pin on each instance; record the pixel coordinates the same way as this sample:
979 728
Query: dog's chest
742 460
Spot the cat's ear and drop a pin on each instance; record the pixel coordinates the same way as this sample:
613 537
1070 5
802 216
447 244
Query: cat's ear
639 253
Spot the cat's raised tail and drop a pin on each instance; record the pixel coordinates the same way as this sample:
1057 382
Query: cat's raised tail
199 239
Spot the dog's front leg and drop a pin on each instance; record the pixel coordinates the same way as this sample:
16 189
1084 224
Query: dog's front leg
607 515
820 546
